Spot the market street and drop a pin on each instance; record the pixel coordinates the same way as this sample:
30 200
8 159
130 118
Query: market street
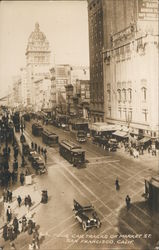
94 184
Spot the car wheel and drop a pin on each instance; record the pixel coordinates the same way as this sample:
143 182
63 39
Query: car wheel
84 226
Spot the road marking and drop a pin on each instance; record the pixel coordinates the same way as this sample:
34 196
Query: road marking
99 157
102 162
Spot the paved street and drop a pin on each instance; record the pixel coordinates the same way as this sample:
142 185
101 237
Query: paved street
94 184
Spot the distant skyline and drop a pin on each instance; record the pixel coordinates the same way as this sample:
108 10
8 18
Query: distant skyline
65 24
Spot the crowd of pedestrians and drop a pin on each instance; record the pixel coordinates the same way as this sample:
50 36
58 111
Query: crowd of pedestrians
12 230
14 227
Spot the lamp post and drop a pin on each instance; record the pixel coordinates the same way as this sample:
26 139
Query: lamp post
128 121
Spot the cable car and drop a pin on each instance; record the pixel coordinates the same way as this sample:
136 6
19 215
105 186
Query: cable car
49 138
72 152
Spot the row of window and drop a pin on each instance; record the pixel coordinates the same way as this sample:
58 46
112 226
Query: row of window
127 115
126 94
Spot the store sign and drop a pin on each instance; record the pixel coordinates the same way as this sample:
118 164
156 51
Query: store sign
148 9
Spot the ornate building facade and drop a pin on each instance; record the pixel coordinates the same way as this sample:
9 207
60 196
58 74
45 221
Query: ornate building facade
130 59
124 79
37 64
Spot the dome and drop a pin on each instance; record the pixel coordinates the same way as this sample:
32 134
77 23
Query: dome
37 35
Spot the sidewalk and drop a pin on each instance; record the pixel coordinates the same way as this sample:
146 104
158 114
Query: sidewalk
17 211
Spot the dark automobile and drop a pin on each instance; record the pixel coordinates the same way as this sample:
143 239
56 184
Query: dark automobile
112 145
38 163
31 152
86 215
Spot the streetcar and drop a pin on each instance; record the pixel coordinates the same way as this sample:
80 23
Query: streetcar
37 129
49 138
72 152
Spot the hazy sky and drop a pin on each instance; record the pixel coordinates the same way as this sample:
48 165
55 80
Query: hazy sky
65 24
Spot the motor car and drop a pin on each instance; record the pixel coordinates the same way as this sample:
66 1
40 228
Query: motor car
39 166
112 145
86 215
81 136
31 154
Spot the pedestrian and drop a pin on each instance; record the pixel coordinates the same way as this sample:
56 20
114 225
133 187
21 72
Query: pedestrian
24 223
15 226
26 201
20 226
117 184
45 151
9 214
22 178
39 149
45 158
42 151
128 200
30 226
4 195
149 149
36 147
29 201
36 238
10 196
15 165
5 232
32 145
19 200
10 233
9 151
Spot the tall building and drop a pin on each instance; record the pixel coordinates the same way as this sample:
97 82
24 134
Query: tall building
130 63
96 43
37 62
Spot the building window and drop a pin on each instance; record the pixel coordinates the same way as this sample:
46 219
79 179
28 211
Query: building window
125 116
119 95
124 94
108 95
130 95
145 113
144 93
119 112
109 111
130 116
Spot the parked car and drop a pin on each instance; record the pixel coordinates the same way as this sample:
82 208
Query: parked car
38 163
86 215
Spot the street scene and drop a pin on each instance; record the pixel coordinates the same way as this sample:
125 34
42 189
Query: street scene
79 138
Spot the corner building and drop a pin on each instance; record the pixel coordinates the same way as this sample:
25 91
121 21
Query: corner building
130 59
130 64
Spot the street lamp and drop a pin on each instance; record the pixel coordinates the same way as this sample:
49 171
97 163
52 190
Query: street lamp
128 116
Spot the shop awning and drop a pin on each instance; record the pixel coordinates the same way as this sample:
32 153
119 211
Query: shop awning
101 127
145 139
121 133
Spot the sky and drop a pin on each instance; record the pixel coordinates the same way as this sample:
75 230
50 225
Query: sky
65 24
